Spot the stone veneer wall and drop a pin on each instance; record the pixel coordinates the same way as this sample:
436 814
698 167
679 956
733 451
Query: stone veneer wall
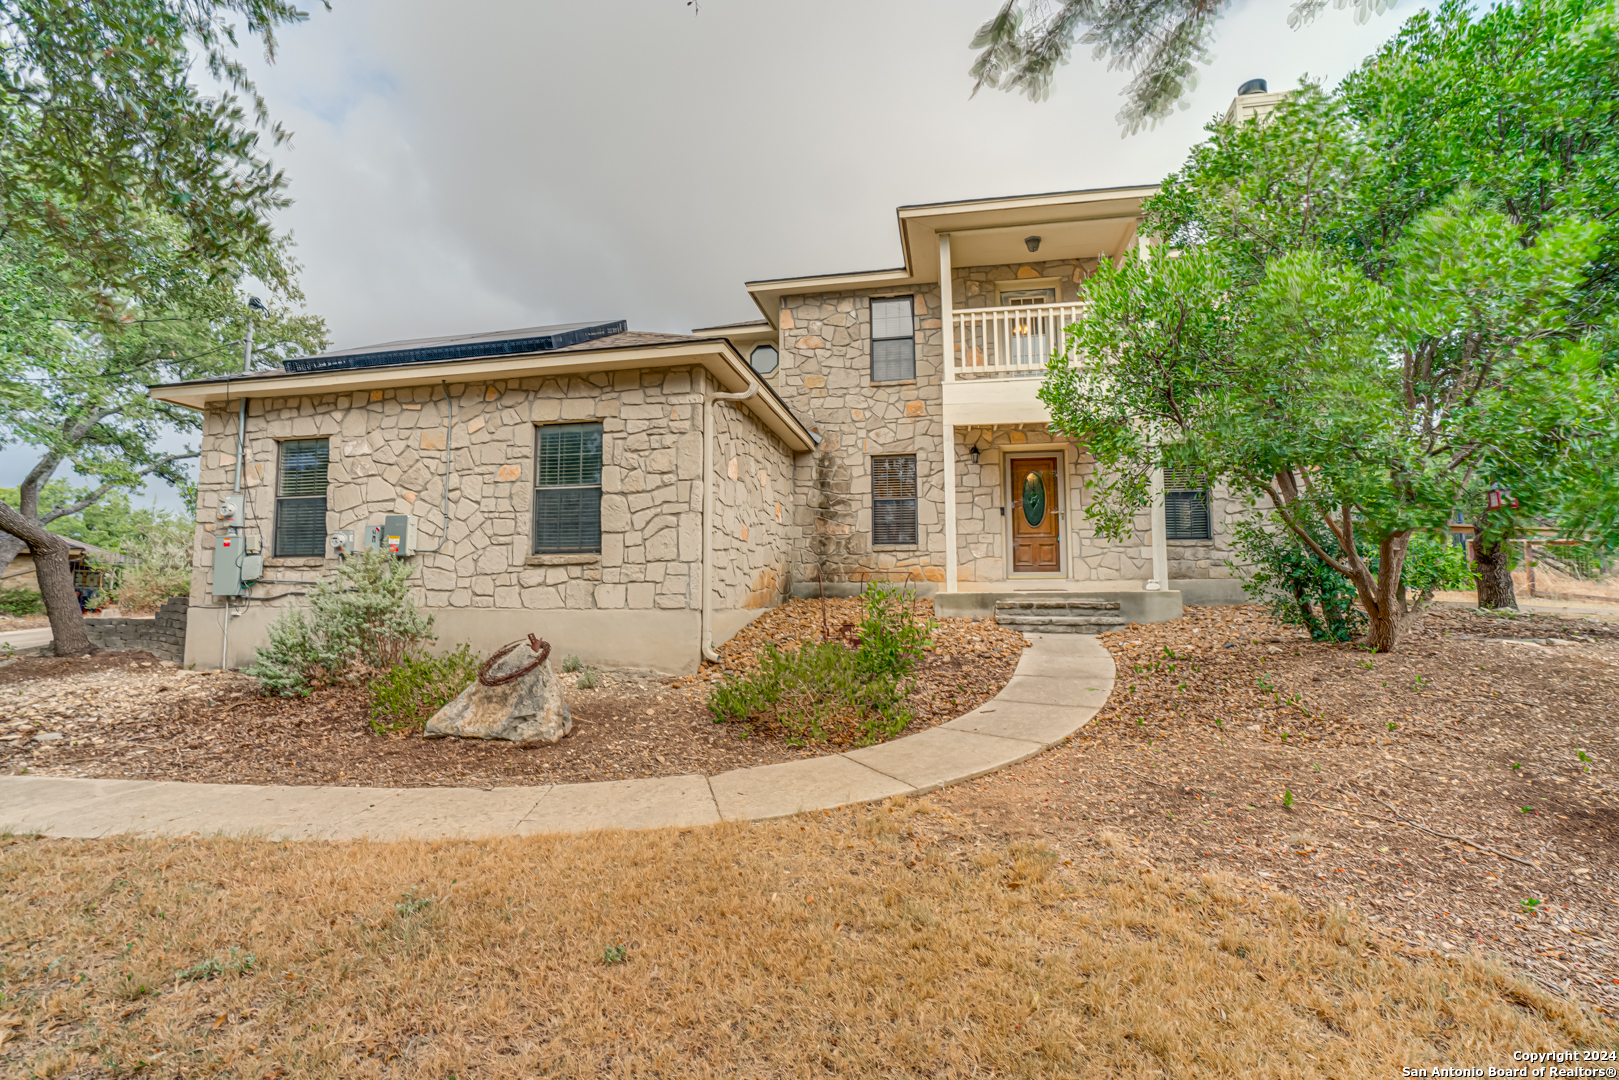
163 634
824 378
387 456
753 513
975 285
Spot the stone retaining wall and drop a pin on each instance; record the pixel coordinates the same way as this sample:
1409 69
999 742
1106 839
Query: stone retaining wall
163 635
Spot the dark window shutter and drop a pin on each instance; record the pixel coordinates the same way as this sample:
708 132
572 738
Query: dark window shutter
893 500
300 505
567 492
1186 505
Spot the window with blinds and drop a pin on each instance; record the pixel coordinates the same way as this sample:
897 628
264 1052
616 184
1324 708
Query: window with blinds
1186 505
568 489
893 500
300 498
893 339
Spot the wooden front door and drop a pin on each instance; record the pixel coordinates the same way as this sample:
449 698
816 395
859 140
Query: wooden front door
1036 544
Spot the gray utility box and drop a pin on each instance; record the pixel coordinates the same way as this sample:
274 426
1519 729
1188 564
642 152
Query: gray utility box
396 535
237 563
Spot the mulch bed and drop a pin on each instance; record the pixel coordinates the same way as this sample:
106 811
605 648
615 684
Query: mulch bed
128 715
1494 733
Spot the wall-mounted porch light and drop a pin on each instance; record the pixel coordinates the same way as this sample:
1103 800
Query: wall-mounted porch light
1032 243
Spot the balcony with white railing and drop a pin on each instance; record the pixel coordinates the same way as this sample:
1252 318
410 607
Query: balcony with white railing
1008 342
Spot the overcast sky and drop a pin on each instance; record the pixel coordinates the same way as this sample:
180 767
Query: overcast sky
503 163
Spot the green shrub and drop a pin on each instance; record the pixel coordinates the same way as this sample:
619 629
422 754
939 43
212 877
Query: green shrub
407 695
810 690
20 602
159 570
892 639
1295 584
807 690
1302 590
357 624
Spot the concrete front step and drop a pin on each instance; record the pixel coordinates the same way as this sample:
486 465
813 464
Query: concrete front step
1080 615
1061 626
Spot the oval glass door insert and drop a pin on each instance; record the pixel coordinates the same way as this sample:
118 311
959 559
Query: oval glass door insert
1034 500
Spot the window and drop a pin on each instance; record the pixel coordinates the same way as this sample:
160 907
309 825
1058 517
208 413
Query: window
1186 505
764 359
893 500
568 488
300 498
893 340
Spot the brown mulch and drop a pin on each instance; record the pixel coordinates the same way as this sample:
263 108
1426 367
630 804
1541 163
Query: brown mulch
126 715
1496 731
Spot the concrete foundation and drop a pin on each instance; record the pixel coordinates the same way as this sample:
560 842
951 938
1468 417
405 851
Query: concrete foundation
662 641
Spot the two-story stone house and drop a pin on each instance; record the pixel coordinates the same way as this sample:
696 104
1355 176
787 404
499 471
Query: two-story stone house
636 497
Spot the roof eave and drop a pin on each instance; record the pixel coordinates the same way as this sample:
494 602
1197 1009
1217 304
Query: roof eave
716 355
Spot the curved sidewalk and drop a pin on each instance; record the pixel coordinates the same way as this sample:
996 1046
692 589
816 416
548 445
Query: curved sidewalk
1060 682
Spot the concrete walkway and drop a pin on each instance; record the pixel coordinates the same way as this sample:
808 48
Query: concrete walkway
1060 683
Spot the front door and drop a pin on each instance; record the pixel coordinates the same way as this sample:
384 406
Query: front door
1036 538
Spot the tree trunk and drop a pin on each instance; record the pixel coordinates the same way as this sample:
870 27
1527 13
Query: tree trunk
1494 575
53 567
10 548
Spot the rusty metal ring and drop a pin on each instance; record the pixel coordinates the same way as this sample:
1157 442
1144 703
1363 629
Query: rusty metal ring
541 648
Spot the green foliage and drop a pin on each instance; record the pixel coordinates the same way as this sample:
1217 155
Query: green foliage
406 695
571 664
808 690
160 567
891 637
1298 587
1161 44
236 962
20 602
104 110
106 521
615 954
1365 341
586 680
1433 565
357 624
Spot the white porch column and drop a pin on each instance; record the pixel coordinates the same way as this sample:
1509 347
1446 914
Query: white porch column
1160 544
947 361
1160 541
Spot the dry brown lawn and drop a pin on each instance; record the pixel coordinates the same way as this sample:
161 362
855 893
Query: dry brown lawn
859 943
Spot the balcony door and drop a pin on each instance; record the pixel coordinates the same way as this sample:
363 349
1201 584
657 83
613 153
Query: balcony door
1029 339
1034 509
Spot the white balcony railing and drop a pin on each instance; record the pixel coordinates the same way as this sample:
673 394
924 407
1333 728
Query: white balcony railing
1009 340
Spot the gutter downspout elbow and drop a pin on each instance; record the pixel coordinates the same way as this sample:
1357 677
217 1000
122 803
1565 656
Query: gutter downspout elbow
708 507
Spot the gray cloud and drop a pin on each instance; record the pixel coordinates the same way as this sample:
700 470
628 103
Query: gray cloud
487 165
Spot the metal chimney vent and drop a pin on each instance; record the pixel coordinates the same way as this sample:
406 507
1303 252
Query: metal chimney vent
1252 86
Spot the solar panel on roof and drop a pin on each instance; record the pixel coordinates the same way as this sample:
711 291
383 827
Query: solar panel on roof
428 350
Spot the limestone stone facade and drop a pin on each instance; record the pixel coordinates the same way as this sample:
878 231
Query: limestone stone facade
387 456
825 378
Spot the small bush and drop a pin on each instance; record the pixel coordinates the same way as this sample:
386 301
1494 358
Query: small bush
892 639
406 696
586 680
161 569
809 691
571 664
20 602
1299 588
357 624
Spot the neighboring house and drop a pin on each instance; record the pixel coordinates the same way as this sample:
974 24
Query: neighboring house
592 485
85 560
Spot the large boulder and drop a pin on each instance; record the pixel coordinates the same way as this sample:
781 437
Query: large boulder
529 709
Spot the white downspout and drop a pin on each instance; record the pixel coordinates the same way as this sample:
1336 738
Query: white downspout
708 505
